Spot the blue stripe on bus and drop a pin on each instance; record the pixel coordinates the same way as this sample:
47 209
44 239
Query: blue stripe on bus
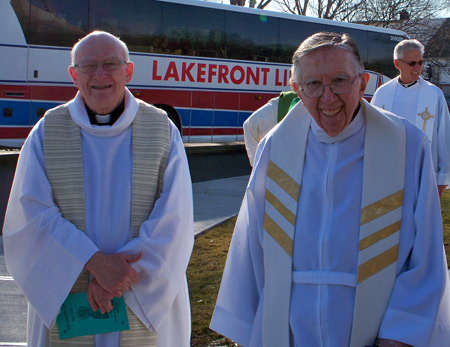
24 114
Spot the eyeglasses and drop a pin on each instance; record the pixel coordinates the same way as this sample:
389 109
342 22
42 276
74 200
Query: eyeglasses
412 63
338 86
107 65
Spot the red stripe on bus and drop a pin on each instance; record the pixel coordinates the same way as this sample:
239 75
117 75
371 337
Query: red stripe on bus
14 133
176 98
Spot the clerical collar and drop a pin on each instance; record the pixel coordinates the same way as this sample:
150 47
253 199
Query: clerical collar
407 85
106 119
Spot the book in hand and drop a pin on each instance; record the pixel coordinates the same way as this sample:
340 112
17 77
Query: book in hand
76 317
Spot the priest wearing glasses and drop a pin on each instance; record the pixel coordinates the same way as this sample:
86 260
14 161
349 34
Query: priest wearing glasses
339 238
102 204
421 102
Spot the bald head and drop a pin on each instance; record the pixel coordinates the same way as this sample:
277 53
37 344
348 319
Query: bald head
96 37
100 70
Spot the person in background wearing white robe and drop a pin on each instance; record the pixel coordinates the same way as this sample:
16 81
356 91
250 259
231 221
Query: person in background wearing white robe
45 253
330 81
403 96
263 120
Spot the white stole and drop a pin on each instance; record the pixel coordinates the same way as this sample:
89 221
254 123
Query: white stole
426 105
382 198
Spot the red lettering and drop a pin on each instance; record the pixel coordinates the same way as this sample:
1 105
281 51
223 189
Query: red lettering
223 73
286 77
253 75
186 72
233 74
201 71
172 72
155 71
265 71
277 78
212 71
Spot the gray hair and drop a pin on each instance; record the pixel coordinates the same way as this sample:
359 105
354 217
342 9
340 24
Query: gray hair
407 45
325 40
98 33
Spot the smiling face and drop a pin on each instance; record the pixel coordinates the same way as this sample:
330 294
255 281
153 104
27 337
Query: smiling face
409 74
332 112
101 90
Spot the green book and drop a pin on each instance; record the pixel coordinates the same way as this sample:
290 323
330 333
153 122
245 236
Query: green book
76 317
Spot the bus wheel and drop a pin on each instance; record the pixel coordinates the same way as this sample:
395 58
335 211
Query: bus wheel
172 114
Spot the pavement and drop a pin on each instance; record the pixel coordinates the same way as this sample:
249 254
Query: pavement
217 201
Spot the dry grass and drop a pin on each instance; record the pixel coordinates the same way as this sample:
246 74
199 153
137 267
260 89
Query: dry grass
205 273
445 209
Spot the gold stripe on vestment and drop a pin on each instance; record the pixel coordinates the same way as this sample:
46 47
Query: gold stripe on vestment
376 264
285 181
278 234
280 207
379 235
381 207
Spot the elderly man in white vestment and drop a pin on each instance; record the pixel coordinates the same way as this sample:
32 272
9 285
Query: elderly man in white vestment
102 193
421 102
339 238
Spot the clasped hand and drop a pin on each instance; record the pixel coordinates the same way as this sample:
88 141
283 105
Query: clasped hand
113 275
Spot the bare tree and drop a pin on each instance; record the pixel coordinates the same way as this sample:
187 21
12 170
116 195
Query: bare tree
437 47
261 5
329 9
406 15
376 12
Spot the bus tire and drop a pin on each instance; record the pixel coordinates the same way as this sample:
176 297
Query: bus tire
172 114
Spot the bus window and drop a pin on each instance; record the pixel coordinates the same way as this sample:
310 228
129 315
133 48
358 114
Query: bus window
246 43
57 23
193 31
381 50
136 22
292 33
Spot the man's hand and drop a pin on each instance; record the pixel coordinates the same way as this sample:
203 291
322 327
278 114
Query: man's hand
441 190
113 271
98 297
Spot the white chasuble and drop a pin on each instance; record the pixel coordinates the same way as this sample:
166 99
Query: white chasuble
417 103
382 198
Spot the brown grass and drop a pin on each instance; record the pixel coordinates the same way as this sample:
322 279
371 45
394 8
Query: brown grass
205 273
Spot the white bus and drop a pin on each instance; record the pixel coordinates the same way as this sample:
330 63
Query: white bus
208 65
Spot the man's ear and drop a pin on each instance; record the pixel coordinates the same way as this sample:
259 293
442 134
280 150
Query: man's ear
129 71
364 81
396 64
296 88
74 75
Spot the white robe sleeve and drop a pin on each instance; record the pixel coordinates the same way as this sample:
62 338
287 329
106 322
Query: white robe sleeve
442 146
166 240
44 252
258 125
238 310
421 286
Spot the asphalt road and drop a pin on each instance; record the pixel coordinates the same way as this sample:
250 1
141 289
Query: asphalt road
206 162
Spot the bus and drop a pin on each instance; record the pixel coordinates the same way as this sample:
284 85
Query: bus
209 65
